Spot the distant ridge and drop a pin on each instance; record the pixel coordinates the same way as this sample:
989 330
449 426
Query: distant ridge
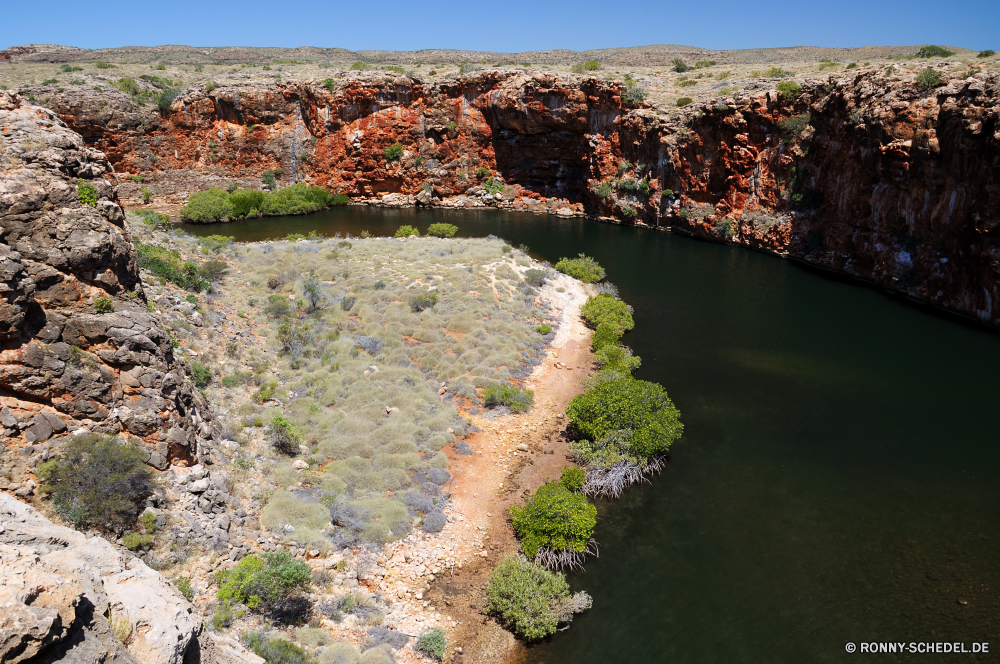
650 56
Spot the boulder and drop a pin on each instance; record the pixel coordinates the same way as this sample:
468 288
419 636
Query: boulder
57 586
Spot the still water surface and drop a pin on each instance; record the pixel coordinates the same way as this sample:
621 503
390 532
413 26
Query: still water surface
838 476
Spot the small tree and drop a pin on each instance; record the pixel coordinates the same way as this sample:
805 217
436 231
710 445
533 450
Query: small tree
313 292
99 482
284 436
929 78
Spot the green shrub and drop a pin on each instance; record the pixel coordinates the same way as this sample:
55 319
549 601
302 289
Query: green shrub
183 585
634 95
704 64
626 404
616 358
554 517
406 231
167 264
573 478
278 306
393 152
530 600
104 305
725 227
201 374
988 53
604 308
793 126
208 206
100 64
70 68
148 522
933 52
87 194
929 78
584 268
679 66
606 334
165 99
284 436
275 650
684 101
534 277
259 582
433 643
482 172
776 72
515 398
543 329
137 542
421 302
358 65
603 190
789 90
98 482
493 186
328 84
219 205
265 393
128 85
442 230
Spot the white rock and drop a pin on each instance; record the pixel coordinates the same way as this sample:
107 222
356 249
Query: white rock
57 568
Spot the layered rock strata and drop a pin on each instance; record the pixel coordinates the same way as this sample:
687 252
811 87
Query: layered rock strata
80 350
869 174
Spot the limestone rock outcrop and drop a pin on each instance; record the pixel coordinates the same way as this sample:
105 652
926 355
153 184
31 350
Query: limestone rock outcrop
79 347
67 597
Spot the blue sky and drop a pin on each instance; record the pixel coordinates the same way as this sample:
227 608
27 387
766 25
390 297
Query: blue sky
506 25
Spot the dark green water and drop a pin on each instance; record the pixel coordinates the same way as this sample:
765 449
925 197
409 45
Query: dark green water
837 480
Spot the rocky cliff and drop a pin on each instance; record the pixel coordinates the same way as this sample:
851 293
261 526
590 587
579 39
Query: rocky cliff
66 597
79 347
866 173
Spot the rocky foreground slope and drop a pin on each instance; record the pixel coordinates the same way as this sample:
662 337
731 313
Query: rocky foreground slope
865 172
66 597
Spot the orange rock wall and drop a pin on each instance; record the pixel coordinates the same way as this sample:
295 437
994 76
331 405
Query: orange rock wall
883 181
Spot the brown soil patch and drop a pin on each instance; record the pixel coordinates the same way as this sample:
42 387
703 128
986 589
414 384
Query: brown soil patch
486 484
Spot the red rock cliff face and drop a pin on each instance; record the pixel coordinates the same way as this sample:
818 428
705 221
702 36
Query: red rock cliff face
873 176
78 347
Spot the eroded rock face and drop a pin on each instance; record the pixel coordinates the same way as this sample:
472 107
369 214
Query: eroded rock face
882 180
57 587
63 358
